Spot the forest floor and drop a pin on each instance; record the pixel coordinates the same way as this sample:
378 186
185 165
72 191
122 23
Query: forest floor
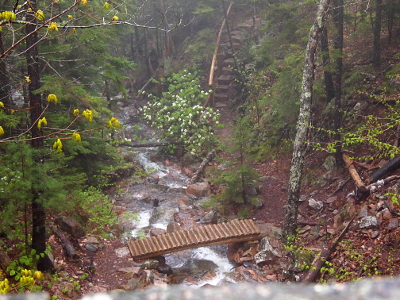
364 252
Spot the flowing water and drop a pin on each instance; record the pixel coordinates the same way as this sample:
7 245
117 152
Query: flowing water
169 186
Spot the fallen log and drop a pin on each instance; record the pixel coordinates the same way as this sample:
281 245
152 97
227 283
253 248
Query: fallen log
382 182
354 174
210 156
151 144
5 260
320 260
66 244
389 167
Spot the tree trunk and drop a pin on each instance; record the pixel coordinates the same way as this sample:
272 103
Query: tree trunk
5 260
376 51
210 156
338 14
4 78
329 85
300 143
66 244
35 102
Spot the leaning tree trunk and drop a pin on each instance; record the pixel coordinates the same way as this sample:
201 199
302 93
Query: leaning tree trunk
300 143
35 102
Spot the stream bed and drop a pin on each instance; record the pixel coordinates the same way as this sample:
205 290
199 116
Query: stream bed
161 200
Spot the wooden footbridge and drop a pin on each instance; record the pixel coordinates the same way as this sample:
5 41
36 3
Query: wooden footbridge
213 234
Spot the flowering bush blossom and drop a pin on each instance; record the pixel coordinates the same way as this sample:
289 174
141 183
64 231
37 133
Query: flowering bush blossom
179 114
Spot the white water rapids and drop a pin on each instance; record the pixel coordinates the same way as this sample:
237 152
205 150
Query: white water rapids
174 180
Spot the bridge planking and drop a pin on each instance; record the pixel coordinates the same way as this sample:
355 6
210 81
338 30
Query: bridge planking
209 235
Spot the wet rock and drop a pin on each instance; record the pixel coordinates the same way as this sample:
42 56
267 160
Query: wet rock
208 276
269 229
184 202
241 252
267 253
70 226
68 289
368 222
317 205
386 214
133 284
251 191
162 214
393 224
373 234
188 224
201 189
165 269
153 178
91 248
330 163
173 226
92 240
131 270
258 203
241 274
186 220
211 217
196 267
150 264
156 231
122 252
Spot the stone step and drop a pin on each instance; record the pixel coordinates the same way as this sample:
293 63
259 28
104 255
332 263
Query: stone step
226 71
224 79
237 46
221 89
237 39
219 97
236 32
229 62
220 105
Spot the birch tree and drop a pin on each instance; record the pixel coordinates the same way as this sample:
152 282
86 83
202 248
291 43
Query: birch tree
300 142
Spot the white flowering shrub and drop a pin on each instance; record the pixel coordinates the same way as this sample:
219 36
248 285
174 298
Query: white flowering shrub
179 114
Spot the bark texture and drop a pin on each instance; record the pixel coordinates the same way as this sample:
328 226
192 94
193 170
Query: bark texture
338 15
35 102
300 143
210 156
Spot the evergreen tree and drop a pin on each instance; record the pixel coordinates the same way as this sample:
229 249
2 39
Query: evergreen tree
239 179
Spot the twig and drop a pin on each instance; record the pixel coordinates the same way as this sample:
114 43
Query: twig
320 260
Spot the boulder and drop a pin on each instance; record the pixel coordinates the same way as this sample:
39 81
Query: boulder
315 204
162 215
201 189
156 231
173 226
165 269
330 163
211 217
122 252
70 226
196 267
368 222
267 254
